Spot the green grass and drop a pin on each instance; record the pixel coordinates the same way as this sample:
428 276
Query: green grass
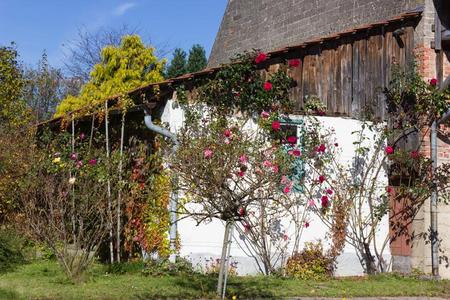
44 280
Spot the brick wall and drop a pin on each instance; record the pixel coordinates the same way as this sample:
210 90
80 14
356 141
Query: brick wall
271 24
426 58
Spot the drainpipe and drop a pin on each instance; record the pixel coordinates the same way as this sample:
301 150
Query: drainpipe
434 194
174 195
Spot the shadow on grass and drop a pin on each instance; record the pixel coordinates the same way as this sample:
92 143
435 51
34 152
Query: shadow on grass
10 295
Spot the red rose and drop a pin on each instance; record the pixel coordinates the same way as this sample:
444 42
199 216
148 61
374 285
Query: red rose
389 150
294 63
321 178
267 86
292 140
276 125
260 58
247 227
306 224
241 211
329 191
414 154
433 82
389 189
296 153
227 133
324 201
336 144
321 148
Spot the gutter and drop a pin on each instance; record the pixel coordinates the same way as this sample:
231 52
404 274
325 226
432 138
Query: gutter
174 194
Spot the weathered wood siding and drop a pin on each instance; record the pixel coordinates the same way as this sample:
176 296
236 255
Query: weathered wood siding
350 73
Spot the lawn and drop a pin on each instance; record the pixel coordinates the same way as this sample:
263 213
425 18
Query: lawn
44 280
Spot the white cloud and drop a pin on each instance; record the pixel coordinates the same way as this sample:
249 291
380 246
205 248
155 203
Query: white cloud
123 8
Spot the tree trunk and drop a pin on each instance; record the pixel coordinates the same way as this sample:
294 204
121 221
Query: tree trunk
222 269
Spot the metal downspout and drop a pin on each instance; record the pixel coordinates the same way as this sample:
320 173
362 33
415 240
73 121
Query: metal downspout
174 195
434 195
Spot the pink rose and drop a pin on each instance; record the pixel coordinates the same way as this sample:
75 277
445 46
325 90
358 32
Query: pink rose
73 156
267 164
275 169
265 114
92 162
243 159
311 203
287 189
207 153
284 179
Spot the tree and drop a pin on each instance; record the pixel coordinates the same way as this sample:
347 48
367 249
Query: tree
64 201
197 59
15 135
351 199
84 52
122 68
12 106
231 169
44 89
177 66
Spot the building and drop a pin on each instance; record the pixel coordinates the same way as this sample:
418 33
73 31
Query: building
281 25
347 49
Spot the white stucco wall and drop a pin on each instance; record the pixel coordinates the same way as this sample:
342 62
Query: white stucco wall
205 240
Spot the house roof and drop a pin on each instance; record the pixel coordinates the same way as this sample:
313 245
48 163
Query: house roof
170 84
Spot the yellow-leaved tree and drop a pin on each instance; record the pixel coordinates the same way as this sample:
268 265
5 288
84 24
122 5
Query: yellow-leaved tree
122 68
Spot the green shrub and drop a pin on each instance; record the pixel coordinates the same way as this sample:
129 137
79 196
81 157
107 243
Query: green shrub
11 247
310 263
164 267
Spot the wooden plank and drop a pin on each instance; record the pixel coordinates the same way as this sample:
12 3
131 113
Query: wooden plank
311 63
296 93
359 77
337 86
375 79
324 75
347 77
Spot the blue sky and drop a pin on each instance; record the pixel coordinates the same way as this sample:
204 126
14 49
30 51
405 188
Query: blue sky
36 25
